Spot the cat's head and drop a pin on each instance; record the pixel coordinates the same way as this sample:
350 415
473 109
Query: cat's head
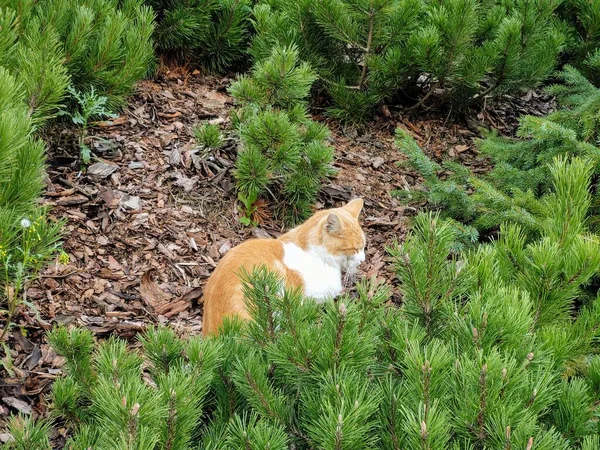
342 236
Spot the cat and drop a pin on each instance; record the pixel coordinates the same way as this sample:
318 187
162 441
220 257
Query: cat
311 256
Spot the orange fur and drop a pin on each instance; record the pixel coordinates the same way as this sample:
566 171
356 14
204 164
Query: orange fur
337 231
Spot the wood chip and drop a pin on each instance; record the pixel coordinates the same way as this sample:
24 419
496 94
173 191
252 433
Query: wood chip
101 170
72 200
17 404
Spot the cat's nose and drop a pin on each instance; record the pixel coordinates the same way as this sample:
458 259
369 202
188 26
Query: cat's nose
361 256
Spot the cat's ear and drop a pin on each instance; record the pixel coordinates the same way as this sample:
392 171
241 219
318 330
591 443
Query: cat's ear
355 206
333 224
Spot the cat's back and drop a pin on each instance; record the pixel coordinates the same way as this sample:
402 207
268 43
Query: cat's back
223 291
252 251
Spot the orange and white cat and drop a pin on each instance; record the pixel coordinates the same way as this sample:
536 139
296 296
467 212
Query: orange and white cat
311 256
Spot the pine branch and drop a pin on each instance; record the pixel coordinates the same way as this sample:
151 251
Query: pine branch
367 51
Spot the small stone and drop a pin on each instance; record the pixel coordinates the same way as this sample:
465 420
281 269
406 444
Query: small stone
377 162
136 165
130 202
259 233
102 170
175 157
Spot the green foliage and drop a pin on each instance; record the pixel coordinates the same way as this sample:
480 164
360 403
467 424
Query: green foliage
113 402
528 243
106 44
456 51
216 31
425 293
27 239
35 54
284 153
209 136
181 23
28 434
517 187
582 20
494 348
89 105
580 101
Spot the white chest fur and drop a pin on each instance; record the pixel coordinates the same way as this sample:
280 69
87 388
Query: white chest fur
321 280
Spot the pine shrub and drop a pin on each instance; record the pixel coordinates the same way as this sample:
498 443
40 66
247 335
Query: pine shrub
27 239
456 51
521 178
209 136
106 44
214 31
494 348
33 53
582 18
284 155
28 434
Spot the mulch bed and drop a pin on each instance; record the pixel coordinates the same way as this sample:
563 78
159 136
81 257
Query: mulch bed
147 223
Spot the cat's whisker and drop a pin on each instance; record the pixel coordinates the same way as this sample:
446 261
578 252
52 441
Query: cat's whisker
349 278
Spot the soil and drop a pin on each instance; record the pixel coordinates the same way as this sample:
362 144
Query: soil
148 221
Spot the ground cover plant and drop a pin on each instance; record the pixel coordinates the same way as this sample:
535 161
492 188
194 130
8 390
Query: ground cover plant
87 106
481 355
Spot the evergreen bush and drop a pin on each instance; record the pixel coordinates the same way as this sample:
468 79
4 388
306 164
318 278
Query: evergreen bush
216 31
34 54
27 240
583 30
456 51
495 348
208 135
106 44
521 178
284 154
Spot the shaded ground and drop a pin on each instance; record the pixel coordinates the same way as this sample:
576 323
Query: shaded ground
154 208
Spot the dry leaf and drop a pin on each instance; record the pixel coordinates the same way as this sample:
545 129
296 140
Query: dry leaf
151 294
